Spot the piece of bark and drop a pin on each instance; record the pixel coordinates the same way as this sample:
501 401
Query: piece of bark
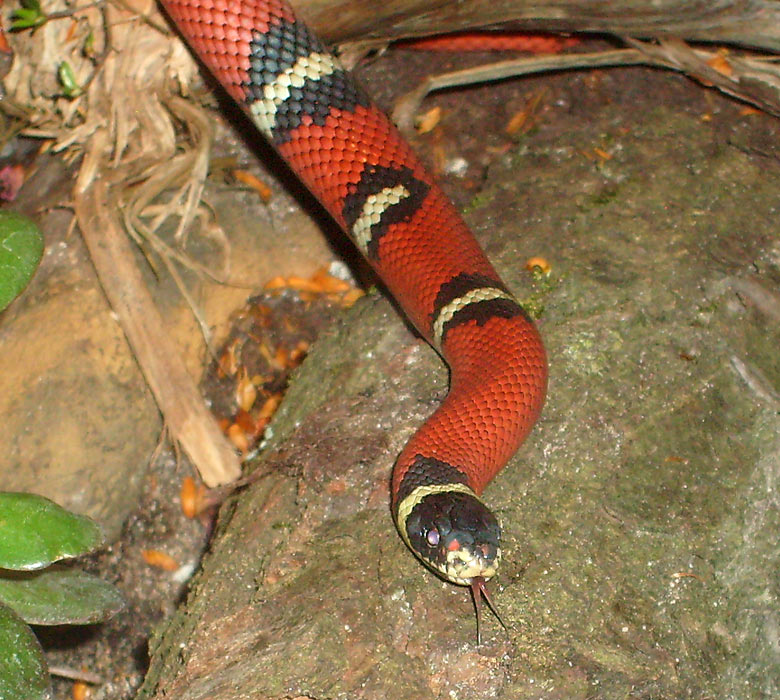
177 396
753 23
638 518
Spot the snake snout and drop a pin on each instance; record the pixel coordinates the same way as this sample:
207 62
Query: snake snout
455 534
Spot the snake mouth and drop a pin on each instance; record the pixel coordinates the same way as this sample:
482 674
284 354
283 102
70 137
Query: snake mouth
452 532
464 564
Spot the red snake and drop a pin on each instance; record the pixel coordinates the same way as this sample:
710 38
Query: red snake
356 163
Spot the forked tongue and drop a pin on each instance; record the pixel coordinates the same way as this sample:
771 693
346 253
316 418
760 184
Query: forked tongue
478 592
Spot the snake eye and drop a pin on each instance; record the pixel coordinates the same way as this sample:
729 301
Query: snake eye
432 537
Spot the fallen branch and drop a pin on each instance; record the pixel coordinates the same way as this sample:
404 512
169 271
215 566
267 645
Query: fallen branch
754 79
177 396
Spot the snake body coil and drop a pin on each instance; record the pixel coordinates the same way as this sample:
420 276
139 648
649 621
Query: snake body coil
363 172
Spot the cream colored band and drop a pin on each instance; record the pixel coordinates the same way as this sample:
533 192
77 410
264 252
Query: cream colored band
315 66
371 214
474 296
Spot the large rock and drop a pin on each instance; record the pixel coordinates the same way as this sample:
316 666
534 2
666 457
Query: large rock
640 518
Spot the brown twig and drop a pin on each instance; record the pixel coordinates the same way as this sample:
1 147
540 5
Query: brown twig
182 406
754 79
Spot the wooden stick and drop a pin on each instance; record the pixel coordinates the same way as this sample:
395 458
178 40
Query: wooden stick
750 78
176 394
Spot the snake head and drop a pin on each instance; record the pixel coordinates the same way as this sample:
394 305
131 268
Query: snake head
453 533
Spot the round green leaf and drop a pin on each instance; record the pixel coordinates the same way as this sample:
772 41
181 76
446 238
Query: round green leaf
59 597
34 532
23 672
21 247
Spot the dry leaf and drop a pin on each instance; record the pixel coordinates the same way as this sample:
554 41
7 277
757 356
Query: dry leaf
255 183
192 497
428 121
246 391
238 438
160 560
538 264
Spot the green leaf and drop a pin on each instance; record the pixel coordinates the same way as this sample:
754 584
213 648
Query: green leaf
34 532
59 596
28 15
23 672
21 247
26 19
70 85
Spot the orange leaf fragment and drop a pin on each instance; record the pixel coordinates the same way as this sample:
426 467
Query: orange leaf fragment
301 284
308 297
244 420
299 352
238 438
524 119
71 32
254 183
720 63
538 264
192 497
328 283
246 391
428 121
5 47
260 426
228 361
270 406
282 357
80 691
685 574
275 283
351 297
517 122
160 560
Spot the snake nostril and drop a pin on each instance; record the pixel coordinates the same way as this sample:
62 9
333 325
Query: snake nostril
488 551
